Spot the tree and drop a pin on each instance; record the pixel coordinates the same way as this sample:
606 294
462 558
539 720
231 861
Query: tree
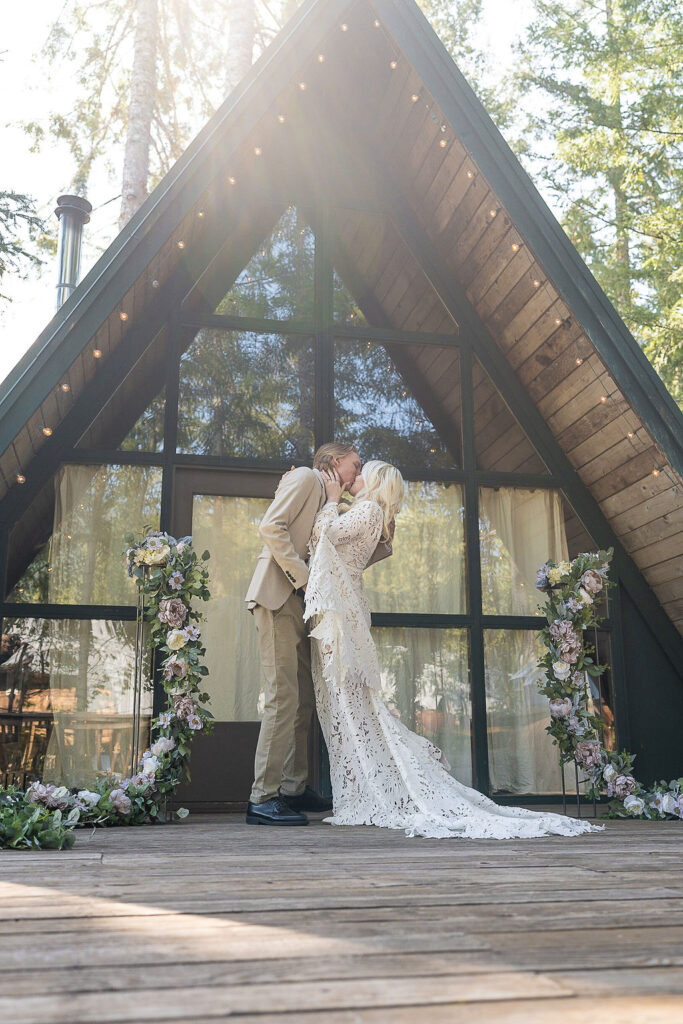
611 125
19 224
140 110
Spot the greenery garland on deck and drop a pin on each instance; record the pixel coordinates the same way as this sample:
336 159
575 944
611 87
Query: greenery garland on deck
572 589
170 575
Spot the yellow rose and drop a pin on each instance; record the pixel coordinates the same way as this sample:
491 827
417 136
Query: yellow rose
554 575
176 639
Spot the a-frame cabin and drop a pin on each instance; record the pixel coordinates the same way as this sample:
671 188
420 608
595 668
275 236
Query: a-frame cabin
348 248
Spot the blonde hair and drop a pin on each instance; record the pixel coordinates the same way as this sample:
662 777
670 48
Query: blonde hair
327 453
383 483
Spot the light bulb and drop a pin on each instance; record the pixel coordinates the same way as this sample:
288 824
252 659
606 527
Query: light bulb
492 213
579 360
344 27
377 23
302 86
65 387
181 245
414 98
537 283
321 58
97 353
123 316
558 321
47 431
393 65
232 181
257 151
21 479
443 143
470 174
200 214
515 246
630 433
281 118
655 472
603 398
155 283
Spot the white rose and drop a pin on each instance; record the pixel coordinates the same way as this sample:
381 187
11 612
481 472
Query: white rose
180 547
668 803
561 670
176 639
158 556
150 765
585 596
634 805
163 745
89 798
609 773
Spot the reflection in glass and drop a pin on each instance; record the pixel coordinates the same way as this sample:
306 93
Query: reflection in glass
278 280
426 573
66 699
518 530
228 528
346 309
425 676
90 510
522 758
247 395
147 433
376 405
499 441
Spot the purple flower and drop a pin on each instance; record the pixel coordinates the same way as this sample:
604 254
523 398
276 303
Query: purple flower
194 721
192 633
573 605
542 581
176 580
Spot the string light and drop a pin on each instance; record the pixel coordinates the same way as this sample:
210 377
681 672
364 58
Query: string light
200 214
603 398
21 479
65 387
630 434
578 360
655 472
344 27
181 245
443 143
470 174
257 151
321 58
281 118
155 283
302 86
47 431
232 181
123 316
515 246
97 353
558 321
537 283
414 98
393 64
377 23
492 213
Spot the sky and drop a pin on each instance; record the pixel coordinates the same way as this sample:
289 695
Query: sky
27 94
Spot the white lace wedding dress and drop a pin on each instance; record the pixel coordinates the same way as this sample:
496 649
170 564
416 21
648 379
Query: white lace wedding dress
382 773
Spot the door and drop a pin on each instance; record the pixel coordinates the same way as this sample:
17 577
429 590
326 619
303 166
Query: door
222 509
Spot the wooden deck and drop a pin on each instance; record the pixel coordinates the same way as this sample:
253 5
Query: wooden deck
210 918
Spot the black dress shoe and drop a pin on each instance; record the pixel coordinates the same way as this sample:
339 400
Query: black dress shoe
274 812
309 800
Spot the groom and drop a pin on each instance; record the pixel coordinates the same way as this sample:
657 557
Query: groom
275 596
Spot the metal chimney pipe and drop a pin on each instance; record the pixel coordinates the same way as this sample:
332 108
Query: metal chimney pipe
72 212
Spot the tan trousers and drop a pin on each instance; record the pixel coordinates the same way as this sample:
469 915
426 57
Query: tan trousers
281 760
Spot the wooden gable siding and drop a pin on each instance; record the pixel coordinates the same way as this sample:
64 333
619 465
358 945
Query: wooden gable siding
542 340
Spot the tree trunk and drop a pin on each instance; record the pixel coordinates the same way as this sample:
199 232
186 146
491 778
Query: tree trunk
143 88
621 211
241 34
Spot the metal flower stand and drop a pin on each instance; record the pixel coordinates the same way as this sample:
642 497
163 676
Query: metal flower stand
138 677
578 794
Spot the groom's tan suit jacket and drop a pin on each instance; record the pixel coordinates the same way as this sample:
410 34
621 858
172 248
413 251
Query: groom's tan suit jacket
286 530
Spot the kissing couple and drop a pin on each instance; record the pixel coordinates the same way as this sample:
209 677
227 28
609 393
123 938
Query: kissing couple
317 652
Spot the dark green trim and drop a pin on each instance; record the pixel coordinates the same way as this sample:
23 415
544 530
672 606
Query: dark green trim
112 457
323 273
409 620
8 610
396 337
537 225
257 325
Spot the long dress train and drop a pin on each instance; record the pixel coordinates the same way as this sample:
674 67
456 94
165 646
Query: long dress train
383 773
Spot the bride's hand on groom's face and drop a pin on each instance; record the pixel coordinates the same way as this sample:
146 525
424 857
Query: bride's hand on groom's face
334 487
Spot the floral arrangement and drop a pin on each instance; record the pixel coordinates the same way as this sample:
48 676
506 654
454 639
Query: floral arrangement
573 590
170 575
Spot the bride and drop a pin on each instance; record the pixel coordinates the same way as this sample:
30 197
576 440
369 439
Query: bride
382 773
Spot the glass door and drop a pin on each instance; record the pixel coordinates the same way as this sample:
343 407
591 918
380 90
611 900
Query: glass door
222 510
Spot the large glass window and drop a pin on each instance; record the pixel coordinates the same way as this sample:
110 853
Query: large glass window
247 395
228 528
425 679
78 526
426 573
500 443
384 400
66 699
277 282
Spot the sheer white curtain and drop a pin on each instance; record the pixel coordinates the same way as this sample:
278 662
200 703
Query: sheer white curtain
228 528
91 662
520 529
